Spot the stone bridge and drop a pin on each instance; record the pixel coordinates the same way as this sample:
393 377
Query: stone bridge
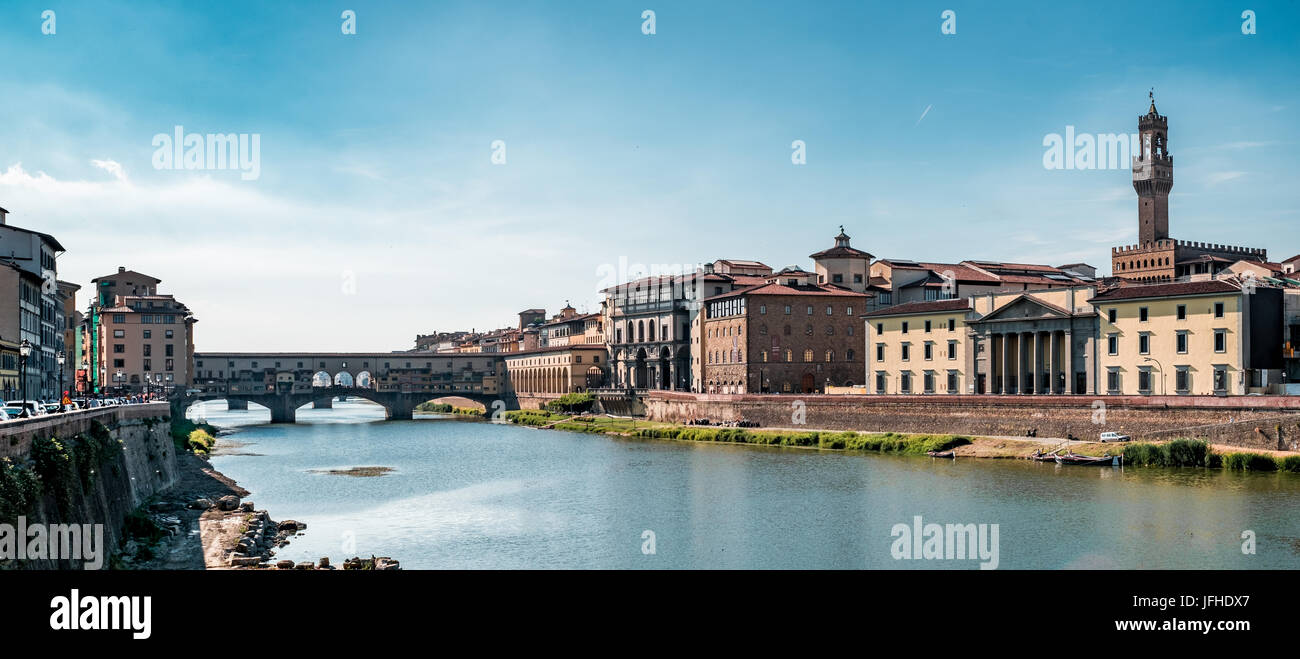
284 404
399 381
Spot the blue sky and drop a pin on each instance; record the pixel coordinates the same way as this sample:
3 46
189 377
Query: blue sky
378 213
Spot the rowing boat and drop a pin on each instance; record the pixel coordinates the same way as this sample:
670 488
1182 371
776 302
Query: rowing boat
1087 460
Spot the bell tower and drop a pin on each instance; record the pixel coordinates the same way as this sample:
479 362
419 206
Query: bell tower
1153 175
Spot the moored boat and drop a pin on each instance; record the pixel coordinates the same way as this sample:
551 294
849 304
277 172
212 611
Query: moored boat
1041 456
1087 460
942 454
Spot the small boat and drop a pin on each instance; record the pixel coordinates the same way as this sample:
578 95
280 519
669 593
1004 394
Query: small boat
942 454
1040 456
1087 460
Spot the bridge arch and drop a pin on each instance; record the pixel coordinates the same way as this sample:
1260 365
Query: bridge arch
364 380
321 379
344 379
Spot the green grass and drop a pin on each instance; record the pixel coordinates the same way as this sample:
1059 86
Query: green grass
847 440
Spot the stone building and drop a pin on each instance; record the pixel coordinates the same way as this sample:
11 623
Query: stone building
31 308
1157 257
789 334
136 339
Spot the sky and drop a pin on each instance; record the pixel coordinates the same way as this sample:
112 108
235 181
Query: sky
378 212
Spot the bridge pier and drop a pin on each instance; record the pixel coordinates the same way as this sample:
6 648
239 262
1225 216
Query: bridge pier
401 408
284 409
237 404
326 403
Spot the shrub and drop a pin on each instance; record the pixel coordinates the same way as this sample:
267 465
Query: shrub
572 403
1249 462
1176 453
20 488
430 406
200 441
1289 463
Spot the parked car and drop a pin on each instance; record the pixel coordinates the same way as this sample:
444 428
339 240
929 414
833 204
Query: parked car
1114 437
52 408
4 413
31 407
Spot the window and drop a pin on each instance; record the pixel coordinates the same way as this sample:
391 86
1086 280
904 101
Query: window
838 279
1144 344
952 324
848 311
810 310
1111 314
830 330
830 355
787 310
905 382
952 350
148 366
808 330
762 309
1112 344
1218 309
1181 341
148 350
1182 312
1182 379
928 382
762 355
789 355
952 382
1144 380
1142 314
807 355
1112 381
880 328
848 355
1220 340
929 351
927 327
830 311
881 378
119 334
880 352
119 347
907 352
857 279
849 330
905 327
119 318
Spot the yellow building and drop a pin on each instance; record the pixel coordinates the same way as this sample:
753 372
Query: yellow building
1192 338
918 348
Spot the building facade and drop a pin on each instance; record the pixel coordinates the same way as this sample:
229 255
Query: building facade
560 370
1191 338
788 335
137 341
33 309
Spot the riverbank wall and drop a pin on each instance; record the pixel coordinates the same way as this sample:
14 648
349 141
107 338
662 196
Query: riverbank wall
104 464
1253 422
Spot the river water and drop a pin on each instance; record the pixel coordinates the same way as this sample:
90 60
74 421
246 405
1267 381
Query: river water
472 494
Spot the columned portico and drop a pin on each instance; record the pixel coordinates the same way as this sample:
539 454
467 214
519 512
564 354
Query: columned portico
1035 346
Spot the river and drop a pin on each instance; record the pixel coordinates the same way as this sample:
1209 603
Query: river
472 494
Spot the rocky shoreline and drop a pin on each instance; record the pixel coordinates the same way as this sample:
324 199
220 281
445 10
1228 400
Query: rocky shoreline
203 522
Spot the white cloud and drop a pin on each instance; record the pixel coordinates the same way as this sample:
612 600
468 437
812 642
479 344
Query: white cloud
112 167
1216 178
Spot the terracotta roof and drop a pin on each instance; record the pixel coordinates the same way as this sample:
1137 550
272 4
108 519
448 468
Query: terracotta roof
782 289
920 307
1166 290
1293 258
840 252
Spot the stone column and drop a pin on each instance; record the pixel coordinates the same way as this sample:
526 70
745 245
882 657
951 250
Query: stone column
1020 362
1035 353
1003 387
1053 363
1068 340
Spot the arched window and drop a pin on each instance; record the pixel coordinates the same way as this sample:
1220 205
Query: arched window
849 354
789 356
808 355
640 330
652 331
830 355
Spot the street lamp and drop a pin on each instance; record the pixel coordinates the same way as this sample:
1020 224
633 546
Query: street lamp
61 359
117 379
24 351
1163 390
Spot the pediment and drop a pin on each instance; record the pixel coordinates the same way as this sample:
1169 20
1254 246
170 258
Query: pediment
1026 308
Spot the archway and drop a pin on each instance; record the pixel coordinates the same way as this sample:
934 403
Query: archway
320 379
343 379
364 380
665 356
640 375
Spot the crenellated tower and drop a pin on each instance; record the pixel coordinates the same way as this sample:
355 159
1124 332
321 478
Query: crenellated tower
1153 176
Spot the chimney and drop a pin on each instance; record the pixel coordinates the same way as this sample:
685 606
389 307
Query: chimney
3 213
121 268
